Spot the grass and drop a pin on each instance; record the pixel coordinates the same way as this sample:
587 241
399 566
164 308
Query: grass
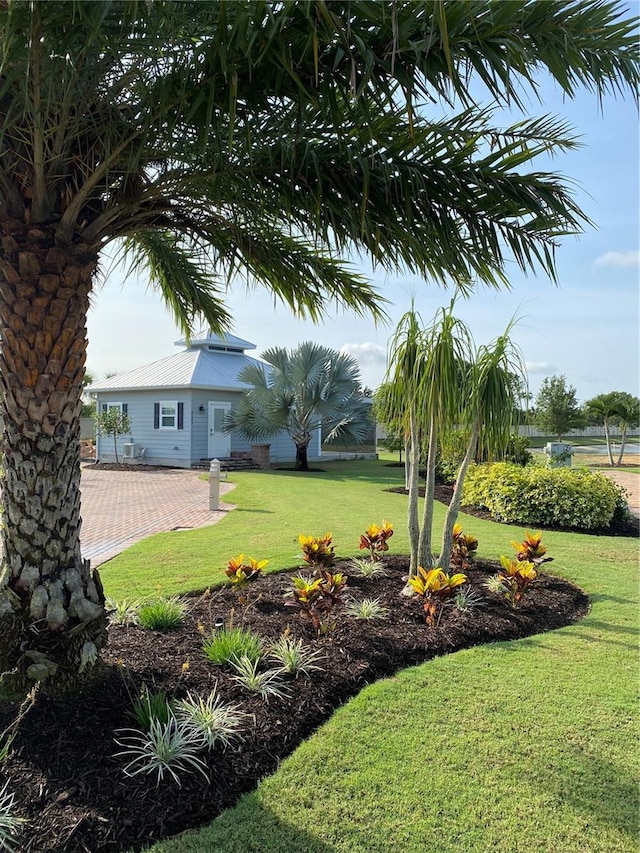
528 745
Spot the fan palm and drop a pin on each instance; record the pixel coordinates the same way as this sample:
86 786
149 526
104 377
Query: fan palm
211 139
300 392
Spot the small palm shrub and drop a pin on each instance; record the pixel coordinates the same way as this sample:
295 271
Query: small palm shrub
167 748
152 706
466 600
10 823
367 568
163 614
542 496
229 645
268 683
367 608
122 613
215 720
294 657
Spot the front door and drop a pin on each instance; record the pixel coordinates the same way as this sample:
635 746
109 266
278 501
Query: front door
219 446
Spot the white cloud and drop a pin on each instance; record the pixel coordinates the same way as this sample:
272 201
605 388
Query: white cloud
372 359
619 259
539 367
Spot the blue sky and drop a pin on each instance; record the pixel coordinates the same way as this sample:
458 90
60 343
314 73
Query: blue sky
586 328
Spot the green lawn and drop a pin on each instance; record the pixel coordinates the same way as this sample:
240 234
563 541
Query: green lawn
521 746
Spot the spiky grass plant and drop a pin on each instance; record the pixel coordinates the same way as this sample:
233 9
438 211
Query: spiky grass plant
122 613
229 645
294 657
215 720
466 600
10 823
166 749
367 568
367 608
163 614
267 684
152 706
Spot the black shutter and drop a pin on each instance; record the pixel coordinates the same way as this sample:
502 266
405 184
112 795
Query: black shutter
125 408
104 407
156 415
180 415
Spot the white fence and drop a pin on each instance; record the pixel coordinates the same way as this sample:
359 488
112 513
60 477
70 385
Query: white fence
587 432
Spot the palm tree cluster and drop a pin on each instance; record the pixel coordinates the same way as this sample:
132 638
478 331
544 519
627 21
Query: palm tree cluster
216 140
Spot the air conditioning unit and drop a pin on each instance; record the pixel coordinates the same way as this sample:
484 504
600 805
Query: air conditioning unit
129 450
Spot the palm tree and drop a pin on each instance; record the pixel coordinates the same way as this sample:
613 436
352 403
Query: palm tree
605 406
628 415
489 407
398 403
300 392
210 139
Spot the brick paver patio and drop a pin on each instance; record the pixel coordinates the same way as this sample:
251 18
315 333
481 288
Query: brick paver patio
121 507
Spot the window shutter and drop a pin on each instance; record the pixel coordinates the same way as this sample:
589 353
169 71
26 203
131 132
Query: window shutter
156 415
180 415
125 408
104 407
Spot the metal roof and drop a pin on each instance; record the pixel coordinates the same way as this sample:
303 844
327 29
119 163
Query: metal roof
193 368
207 338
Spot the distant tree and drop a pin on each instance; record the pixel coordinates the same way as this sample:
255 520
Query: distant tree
557 409
299 391
88 405
115 422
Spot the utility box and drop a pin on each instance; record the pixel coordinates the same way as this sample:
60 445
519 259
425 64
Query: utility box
559 454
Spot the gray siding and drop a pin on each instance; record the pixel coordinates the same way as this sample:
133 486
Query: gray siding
161 446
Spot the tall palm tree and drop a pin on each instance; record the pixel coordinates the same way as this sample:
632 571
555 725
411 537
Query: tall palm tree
628 415
300 391
399 403
218 138
605 406
490 398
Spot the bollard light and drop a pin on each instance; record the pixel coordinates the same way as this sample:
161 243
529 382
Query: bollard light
219 623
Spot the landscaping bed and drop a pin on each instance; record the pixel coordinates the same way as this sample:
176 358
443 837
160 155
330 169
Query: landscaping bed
70 785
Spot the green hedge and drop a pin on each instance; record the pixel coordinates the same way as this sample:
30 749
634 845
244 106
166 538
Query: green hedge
540 496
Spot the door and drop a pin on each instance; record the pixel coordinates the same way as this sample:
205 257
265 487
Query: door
219 445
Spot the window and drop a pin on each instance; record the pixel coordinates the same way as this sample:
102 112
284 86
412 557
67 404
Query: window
168 414
121 407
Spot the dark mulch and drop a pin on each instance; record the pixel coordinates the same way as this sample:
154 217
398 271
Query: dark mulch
619 526
71 787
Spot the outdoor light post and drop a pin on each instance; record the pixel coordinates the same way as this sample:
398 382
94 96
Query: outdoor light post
214 484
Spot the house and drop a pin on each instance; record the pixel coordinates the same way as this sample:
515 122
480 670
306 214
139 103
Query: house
177 407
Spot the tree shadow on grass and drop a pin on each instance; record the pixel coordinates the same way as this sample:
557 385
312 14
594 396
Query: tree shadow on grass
250 827
580 777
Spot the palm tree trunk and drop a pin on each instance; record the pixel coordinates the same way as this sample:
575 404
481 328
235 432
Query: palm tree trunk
623 441
52 618
301 457
425 555
608 438
454 507
412 472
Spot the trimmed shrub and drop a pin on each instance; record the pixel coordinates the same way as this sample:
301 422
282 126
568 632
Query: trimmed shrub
540 496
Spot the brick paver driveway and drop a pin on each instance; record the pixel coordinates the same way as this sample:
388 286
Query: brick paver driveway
121 507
